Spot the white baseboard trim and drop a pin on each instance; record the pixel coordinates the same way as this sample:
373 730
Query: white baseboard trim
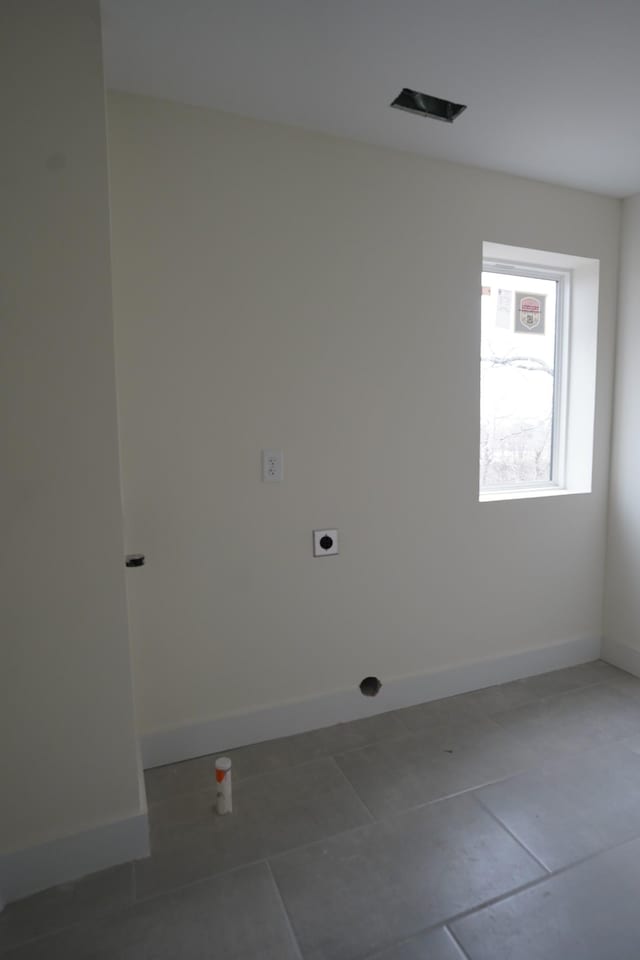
24 872
621 655
283 719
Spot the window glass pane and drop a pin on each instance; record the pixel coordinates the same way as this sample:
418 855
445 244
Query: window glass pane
518 348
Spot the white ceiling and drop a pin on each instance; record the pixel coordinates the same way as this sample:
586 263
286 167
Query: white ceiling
552 86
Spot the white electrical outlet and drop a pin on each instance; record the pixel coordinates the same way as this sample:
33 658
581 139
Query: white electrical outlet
325 543
272 466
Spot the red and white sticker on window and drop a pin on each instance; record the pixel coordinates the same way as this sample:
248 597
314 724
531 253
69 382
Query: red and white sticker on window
530 312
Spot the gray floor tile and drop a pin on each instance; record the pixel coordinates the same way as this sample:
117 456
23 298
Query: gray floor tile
543 819
447 759
435 945
369 888
466 706
516 693
175 779
574 807
193 775
355 887
632 743
589 912
604 784
278 754
238 917
63 906
574 721
503 696
625 682
570 678
181 810
436 713
271 813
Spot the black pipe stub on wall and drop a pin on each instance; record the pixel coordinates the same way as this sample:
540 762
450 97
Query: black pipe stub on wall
370 687
134 560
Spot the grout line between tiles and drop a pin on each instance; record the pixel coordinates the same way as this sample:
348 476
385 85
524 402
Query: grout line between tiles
407 731
525 887
493 901
7 951
459 793
278 770
548 875
441 923
457 943
397 944
252 863
374 821
377 820
429 803
381 819
513 836
592 856
446 922
209 877
352 787
398 712
288 920
171 891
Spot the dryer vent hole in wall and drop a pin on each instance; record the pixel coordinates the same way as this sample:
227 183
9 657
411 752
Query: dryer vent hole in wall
370 687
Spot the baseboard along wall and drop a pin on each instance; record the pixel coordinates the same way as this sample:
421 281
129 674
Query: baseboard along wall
284 719
66 859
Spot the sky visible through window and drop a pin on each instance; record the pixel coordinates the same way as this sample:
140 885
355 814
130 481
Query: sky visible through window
518 348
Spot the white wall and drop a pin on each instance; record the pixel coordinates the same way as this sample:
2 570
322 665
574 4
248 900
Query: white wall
622 620
275 288
69 760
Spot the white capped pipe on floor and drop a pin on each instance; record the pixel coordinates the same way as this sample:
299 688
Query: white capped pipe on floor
223 785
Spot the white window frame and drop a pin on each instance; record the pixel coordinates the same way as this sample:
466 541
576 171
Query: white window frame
560 372
574 370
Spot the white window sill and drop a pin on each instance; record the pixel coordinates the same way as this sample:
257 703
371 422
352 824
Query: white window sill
527 493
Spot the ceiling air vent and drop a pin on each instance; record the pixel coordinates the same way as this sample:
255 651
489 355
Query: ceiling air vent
426 106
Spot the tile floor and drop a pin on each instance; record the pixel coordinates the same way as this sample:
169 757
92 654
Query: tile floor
498 825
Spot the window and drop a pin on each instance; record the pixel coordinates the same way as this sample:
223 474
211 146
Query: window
537 372
521 376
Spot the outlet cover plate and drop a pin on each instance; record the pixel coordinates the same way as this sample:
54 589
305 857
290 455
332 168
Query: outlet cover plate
325 543
272 466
